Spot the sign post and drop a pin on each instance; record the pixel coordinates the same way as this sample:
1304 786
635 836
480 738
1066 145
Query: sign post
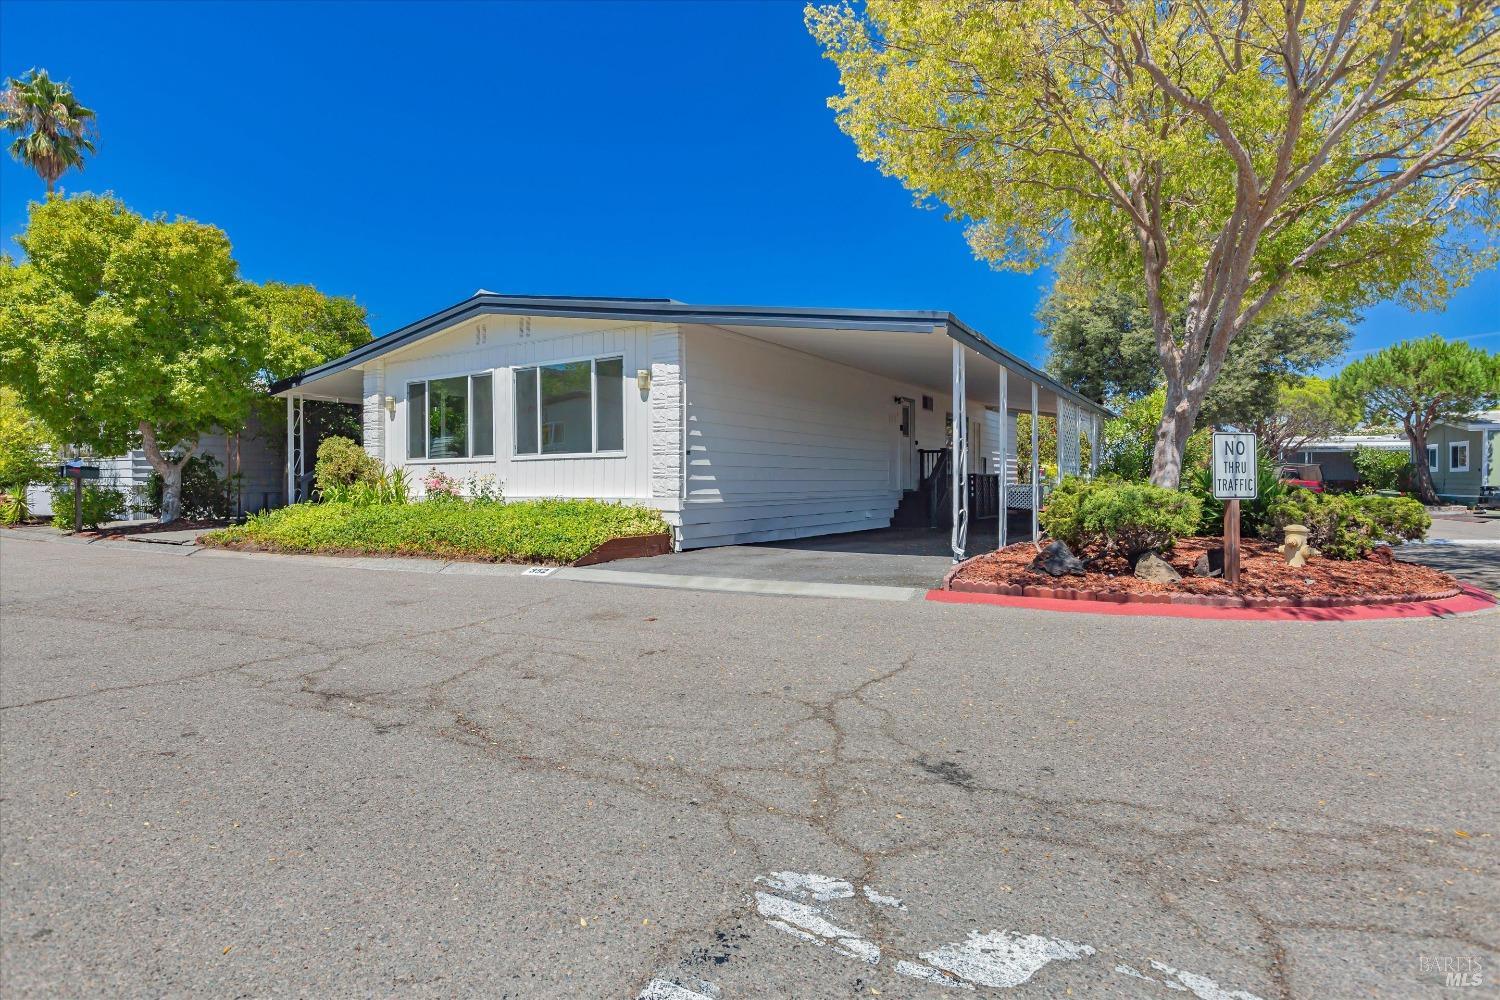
1234 476
77 471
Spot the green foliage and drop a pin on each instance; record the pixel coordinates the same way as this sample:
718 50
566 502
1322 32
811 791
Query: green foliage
122 332
25 452
341 463
1104 347
1255 515
1302 409
551 531
1381 469
1418 383
14 508
388 486
1346 526
1130 438
1118 516
100 505
53 130
302 328
205 494
1231 163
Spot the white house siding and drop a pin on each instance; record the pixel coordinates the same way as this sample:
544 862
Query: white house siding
781 444
499 344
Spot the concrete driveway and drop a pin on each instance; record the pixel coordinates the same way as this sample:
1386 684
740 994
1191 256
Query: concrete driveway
228 776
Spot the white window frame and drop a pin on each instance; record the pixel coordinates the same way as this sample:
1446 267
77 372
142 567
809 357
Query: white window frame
593 452
1452 466
426 384
1432 458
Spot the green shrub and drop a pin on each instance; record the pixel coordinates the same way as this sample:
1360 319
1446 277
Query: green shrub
1346 526
1255 515
204 494
1117 516
13 507
100 504
1382 470
340 464
552 531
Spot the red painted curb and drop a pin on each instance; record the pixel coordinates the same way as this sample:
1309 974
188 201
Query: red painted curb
1468 600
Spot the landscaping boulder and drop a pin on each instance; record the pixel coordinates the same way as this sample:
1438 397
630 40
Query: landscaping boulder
1154 569
1210 563
1058 560
1381 553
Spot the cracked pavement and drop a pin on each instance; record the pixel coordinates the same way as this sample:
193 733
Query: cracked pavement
229 777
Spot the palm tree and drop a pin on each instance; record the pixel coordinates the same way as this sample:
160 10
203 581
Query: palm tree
52 129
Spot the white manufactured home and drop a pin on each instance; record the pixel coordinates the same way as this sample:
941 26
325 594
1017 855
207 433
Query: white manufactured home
738 423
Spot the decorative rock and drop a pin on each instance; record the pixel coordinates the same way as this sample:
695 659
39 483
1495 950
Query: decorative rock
1057 560
1153 568
1381 553
1210 563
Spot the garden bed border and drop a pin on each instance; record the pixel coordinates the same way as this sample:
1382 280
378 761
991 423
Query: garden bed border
1066 593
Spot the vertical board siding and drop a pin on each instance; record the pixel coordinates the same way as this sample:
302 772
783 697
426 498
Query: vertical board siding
781 444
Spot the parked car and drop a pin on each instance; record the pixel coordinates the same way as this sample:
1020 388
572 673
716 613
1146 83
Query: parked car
1304 476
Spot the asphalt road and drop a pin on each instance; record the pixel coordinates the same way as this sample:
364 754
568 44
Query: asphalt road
254 777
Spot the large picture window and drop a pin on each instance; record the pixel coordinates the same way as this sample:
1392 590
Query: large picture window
451 417
571 408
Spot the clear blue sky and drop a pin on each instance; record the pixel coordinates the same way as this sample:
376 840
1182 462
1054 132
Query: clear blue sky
409 153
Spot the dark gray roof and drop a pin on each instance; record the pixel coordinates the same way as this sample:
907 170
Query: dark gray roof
484 303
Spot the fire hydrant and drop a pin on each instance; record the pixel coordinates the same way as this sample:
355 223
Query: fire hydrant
1295 547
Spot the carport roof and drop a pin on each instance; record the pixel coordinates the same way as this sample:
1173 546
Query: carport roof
645 310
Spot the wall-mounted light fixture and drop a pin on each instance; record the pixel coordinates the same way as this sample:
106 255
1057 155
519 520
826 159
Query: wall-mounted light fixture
643 379
390 406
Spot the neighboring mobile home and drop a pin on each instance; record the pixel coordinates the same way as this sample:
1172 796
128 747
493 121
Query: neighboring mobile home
738 423
1460 455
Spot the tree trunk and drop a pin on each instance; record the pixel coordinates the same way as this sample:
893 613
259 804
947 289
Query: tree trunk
170 472
1172 434
1421 471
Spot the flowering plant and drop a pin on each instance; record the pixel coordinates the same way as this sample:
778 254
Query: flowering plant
439 485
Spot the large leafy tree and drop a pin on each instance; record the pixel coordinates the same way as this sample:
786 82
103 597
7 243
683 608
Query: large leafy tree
53 130
1418 383
1104 346
1304 409
121 332
303 328
1231 161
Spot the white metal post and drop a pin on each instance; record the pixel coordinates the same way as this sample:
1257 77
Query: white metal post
960 459
1004 452
290 475
1036 485
1095 433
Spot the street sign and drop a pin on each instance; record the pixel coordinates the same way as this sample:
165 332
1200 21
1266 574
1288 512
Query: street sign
1234 466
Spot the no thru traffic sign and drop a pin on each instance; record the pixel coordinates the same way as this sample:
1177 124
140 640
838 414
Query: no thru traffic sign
1234 466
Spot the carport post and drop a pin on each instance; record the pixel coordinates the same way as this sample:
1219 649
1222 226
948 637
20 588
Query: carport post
1004 490
960 460
291 488
1036 486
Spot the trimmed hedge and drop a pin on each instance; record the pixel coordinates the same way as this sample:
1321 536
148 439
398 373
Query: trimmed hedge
1109 513
548 531
1346 526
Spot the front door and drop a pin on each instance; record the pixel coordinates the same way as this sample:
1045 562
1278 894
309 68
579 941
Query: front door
906 443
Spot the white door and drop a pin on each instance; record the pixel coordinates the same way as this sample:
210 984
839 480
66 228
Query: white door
906 443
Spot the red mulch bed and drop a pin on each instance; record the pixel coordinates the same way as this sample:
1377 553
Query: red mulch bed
1265 577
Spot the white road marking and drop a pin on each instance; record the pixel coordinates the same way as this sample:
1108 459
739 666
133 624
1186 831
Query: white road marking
927 973
809 923
1201 986
998 959
1003 958
804 884
661 989
879 899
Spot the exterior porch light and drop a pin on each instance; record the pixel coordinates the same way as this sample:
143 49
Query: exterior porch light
643 379
390 406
